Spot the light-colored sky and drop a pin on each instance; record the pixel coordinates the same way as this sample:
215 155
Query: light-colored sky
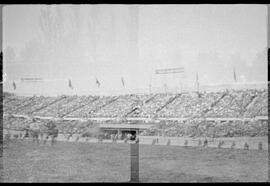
109 42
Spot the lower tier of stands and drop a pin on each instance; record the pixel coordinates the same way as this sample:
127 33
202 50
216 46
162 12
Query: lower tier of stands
168 128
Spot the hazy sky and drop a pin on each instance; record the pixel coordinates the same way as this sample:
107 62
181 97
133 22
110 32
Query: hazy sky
108 42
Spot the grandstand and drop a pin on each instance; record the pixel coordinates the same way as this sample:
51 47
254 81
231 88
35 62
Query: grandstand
231 112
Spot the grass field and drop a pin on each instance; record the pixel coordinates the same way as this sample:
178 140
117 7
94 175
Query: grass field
106 162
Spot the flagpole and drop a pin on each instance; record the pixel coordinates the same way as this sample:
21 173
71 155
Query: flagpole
234 75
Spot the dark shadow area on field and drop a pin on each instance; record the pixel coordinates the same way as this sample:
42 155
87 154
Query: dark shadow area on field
134 163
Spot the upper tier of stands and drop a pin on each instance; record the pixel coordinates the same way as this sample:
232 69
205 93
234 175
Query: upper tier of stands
227 104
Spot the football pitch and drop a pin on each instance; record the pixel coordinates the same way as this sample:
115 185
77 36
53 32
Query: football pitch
24 161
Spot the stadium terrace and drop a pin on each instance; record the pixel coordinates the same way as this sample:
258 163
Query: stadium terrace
234 113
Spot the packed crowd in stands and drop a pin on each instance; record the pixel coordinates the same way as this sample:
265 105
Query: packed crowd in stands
189 128
208 129
259 106
10 104
78 102
226 104
15 123
121 106
149 108
233 104
94 105
53 109
189 105
247 103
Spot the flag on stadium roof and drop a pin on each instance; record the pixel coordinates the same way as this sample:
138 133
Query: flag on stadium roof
123 83
234 75
97 82
14 85
70 84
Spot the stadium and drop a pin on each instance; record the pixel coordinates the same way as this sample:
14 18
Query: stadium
196 133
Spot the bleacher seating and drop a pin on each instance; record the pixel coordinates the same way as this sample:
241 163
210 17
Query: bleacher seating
239 104
230 104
